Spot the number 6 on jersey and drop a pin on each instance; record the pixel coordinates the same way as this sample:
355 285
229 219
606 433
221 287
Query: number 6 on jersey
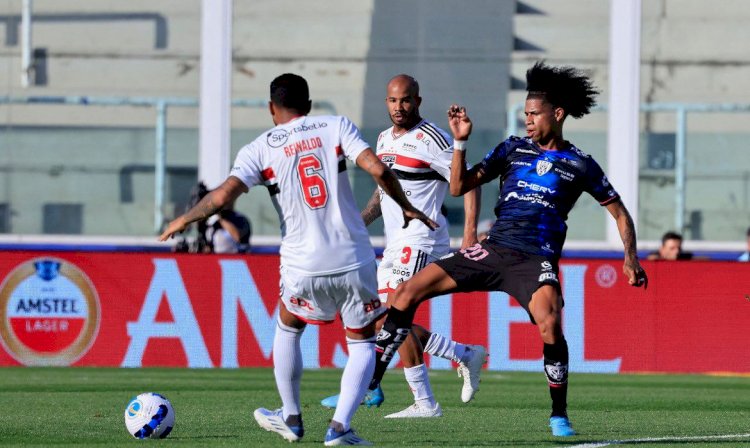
314 187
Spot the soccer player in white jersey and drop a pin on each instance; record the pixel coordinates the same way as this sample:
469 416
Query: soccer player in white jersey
420 154
327 262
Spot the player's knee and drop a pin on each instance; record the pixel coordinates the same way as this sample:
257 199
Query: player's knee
405 296
366 332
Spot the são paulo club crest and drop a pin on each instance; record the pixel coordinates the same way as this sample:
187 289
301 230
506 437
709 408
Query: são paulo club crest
49 313
542 167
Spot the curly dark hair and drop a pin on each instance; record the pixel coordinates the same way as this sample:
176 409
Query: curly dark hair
563 86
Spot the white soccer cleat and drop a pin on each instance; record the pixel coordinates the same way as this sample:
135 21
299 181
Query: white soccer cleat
417 411
274 421
471 370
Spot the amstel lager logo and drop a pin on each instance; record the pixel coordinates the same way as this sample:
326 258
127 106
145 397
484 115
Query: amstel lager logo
49 313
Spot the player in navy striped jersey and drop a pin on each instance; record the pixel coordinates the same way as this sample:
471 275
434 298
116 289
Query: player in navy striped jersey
542 176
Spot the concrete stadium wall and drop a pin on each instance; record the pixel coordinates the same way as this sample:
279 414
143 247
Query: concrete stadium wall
346 50
692 51
477 54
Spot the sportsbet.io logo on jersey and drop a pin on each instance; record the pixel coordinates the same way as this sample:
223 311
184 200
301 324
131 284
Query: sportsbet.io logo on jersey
49 313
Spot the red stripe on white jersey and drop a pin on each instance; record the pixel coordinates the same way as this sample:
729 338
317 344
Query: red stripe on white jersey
267 174
410 162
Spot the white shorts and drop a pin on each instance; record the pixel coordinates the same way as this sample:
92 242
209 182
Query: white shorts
316 299
401 262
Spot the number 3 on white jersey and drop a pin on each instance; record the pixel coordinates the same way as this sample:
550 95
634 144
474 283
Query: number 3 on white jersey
314 187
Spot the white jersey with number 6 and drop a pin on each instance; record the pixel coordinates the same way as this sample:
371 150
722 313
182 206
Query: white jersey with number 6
302 163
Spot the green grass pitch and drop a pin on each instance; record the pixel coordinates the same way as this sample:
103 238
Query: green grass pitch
85 406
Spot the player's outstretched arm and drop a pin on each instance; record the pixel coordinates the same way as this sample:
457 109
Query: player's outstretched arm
631 267
384 177
372 210
214 201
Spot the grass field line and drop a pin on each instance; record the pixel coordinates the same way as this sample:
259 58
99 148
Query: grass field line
659 439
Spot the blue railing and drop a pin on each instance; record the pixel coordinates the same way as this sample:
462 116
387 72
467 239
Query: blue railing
161 105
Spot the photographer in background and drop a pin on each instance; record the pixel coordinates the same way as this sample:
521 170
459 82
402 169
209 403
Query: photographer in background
226 232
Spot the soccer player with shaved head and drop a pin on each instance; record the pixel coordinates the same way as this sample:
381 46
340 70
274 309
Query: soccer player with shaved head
541 177
420 155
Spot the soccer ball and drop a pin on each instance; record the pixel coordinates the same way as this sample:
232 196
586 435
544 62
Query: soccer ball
149 416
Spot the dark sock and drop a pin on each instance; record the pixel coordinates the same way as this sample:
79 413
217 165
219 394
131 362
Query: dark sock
294 420
556 369
394 332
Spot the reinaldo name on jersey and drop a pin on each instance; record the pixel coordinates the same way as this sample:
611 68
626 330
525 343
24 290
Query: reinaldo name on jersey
302 146
302 163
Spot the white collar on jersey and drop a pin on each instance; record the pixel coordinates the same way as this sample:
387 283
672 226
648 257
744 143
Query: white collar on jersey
395 136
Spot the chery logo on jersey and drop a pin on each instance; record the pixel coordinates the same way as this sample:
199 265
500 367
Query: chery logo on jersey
49 312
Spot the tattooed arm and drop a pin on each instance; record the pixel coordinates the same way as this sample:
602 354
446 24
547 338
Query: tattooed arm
214 201
384 177
372 210
632 267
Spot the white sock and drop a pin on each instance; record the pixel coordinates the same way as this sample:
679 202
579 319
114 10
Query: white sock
440 346
287 366
356 377
420 385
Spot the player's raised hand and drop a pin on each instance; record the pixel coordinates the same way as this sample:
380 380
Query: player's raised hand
459 122
416 214
635 273
176 226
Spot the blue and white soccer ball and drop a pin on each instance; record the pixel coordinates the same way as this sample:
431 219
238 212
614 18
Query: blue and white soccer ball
149 416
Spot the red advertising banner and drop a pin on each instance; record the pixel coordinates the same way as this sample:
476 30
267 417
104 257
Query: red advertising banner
132 310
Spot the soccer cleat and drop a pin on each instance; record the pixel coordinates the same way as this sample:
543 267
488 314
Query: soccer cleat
330 402
561 427
372 398
417 411
274 421
471 370
335 438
